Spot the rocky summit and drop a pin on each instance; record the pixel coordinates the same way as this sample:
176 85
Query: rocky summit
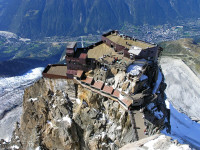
106 96
54 119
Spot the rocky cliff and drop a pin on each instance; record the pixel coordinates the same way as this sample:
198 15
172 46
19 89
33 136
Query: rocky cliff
53 119
58 114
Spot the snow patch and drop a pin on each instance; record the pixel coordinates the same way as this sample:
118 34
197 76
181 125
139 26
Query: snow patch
103 143
103 117
78 101
34 73
167 104
119 128
151 143
50 123
14 147
33 99
121 97
38 148
109 122
8 139
4 142
68 119
182 147
97 136
94 109
103 135
134 69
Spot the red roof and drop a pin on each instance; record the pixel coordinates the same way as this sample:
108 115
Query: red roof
88 80
116 93
83 56
108 89
74 72
98 85
127 102
79 73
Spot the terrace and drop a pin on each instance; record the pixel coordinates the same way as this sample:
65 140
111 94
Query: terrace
116 60
55 71
98 51
128 42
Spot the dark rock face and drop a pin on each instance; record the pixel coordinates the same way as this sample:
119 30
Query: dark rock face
65 17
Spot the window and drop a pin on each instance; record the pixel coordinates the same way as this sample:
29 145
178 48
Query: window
136 103
111 45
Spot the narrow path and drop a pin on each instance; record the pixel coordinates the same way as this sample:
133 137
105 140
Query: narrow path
101 93
140 127
132 118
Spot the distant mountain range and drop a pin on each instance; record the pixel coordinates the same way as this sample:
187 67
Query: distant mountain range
38 18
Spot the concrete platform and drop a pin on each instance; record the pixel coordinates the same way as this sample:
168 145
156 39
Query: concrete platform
55 71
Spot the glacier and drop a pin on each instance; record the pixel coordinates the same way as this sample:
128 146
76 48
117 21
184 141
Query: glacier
11 95
183 100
